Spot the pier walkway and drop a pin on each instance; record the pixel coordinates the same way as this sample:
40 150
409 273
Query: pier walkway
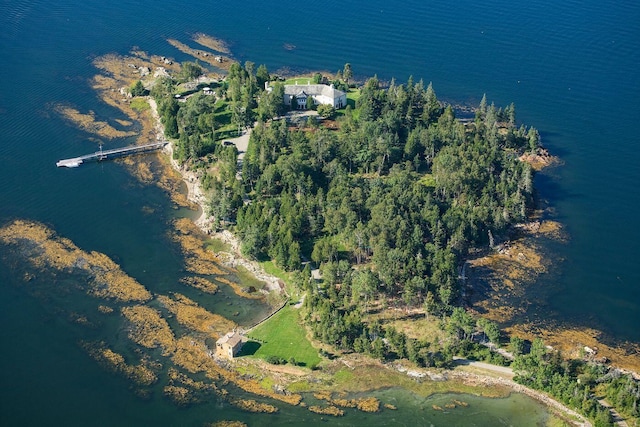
109 154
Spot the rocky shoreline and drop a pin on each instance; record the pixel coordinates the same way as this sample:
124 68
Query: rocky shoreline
195 194
554 405
234 259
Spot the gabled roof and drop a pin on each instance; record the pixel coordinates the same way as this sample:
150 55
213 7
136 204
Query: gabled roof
231 339
312 90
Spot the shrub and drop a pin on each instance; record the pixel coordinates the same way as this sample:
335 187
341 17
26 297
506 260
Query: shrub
326 111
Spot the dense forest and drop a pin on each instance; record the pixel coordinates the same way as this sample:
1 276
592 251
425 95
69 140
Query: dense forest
386 200
393 198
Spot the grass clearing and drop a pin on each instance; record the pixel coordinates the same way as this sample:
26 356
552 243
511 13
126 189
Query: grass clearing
283 336
273 270
353 95
365 376
139 104
299 80
352 98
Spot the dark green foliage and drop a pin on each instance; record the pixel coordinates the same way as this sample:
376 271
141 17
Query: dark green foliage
190 71
196 123
461 324
357 194
168 107
478 352
517 345
310 105
137 89
347 73
402 190
578 384
326 111
490 329
275 360
262 76
271 103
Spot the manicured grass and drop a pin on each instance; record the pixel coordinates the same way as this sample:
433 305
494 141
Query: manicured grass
352 98
353 95
299 81
284 337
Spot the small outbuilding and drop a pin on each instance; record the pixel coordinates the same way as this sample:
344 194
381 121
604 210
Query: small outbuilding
229 345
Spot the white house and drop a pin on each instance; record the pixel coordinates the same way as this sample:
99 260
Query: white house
321 94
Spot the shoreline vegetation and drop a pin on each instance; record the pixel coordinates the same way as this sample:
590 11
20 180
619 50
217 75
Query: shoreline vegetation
118 74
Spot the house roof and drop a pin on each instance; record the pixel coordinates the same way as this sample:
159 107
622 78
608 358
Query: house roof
312 90
231 339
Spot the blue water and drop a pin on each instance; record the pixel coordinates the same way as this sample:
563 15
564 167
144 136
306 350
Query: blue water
570 68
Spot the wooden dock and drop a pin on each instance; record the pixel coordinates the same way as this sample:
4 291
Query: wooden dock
110 154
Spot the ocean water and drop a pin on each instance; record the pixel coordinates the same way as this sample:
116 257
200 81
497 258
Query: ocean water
570 68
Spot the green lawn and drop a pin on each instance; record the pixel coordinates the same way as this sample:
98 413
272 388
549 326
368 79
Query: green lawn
139 104
353 96
299 81
284 337
272 269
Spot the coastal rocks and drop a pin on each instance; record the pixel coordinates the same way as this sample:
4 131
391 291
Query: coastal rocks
234 259
149 329
540 159
181 396
203 55
415 374
160 72
43 249
196 195
364 404
227 424
89 123
189 314
327 410
211 43
251 405
140 374
201 284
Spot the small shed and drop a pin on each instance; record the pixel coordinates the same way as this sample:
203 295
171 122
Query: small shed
229 345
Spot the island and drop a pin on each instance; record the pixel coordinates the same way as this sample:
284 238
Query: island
359 206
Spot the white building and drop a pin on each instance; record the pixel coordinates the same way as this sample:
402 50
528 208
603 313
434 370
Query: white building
321 94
